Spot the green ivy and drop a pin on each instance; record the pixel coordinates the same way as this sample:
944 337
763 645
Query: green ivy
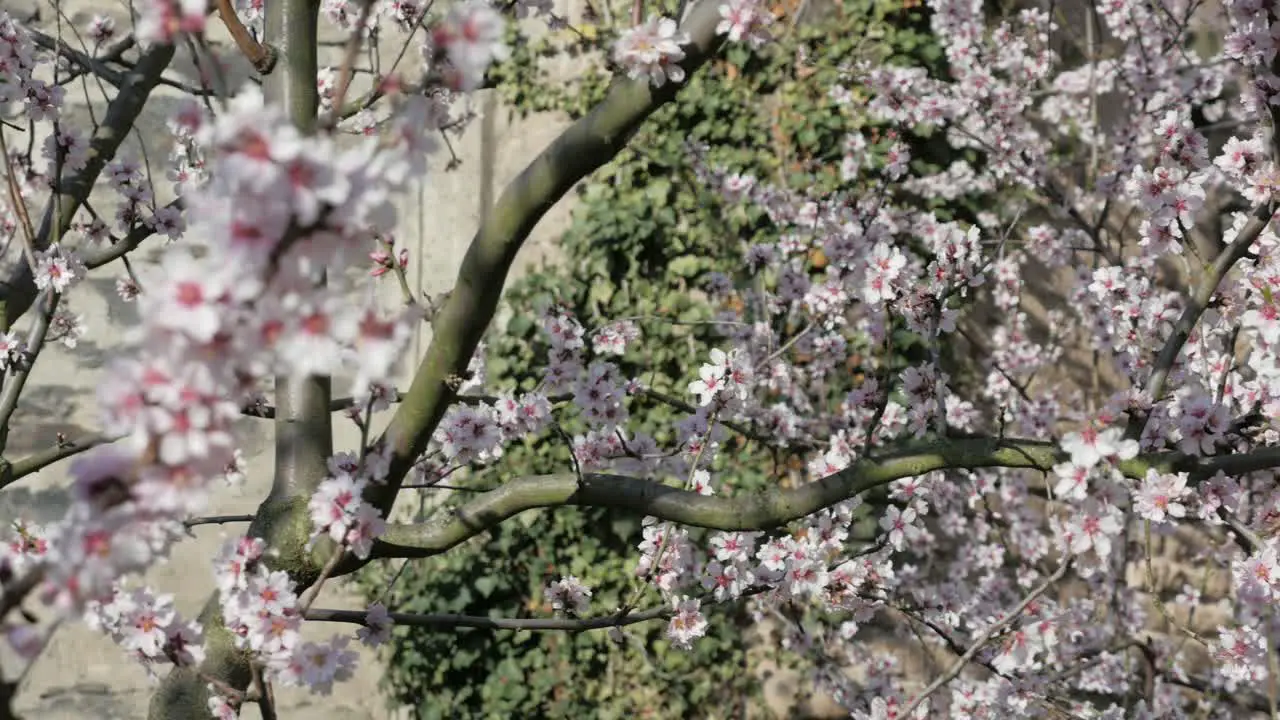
644 238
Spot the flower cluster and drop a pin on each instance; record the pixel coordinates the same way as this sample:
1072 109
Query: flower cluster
569 595
338 509
163 21
260 607
477 433
747 20
467 42
726 379
148 627
652 52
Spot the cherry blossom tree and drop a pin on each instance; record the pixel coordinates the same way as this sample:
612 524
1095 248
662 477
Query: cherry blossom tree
1009 515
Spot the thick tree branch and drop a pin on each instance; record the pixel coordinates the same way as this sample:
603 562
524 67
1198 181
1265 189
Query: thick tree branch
584 147
769 509
303 425
749 512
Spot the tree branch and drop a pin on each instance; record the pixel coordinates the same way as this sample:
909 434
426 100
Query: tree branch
263 57
450 620
88 64
453 620
747 431
1168 356
13 472
124 245
586 146
303 426
772 508
267 411
18 291
986 635
217 520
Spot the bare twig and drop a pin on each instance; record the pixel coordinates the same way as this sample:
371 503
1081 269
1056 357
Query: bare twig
266 411
217 520
347 70
35 343
452 620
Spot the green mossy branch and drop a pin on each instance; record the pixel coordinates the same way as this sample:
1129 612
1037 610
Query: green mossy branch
774 507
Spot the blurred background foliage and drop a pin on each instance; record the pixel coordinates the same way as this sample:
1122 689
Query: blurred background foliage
645 236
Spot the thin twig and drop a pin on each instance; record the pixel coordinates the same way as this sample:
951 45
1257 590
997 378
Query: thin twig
984 636
217 520
12 472
19 205
452 620
265 697
35 342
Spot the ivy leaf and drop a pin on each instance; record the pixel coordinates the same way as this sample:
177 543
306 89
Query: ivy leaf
687 266
486 584
625 528
659 189
520 325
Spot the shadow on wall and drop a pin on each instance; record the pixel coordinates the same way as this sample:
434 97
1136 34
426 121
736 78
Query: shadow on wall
37 506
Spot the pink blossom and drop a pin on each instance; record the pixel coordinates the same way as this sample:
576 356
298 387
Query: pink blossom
687 624
1091 446
377 626
568 594
471 38
745 20
1160 495
160 21
652 52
